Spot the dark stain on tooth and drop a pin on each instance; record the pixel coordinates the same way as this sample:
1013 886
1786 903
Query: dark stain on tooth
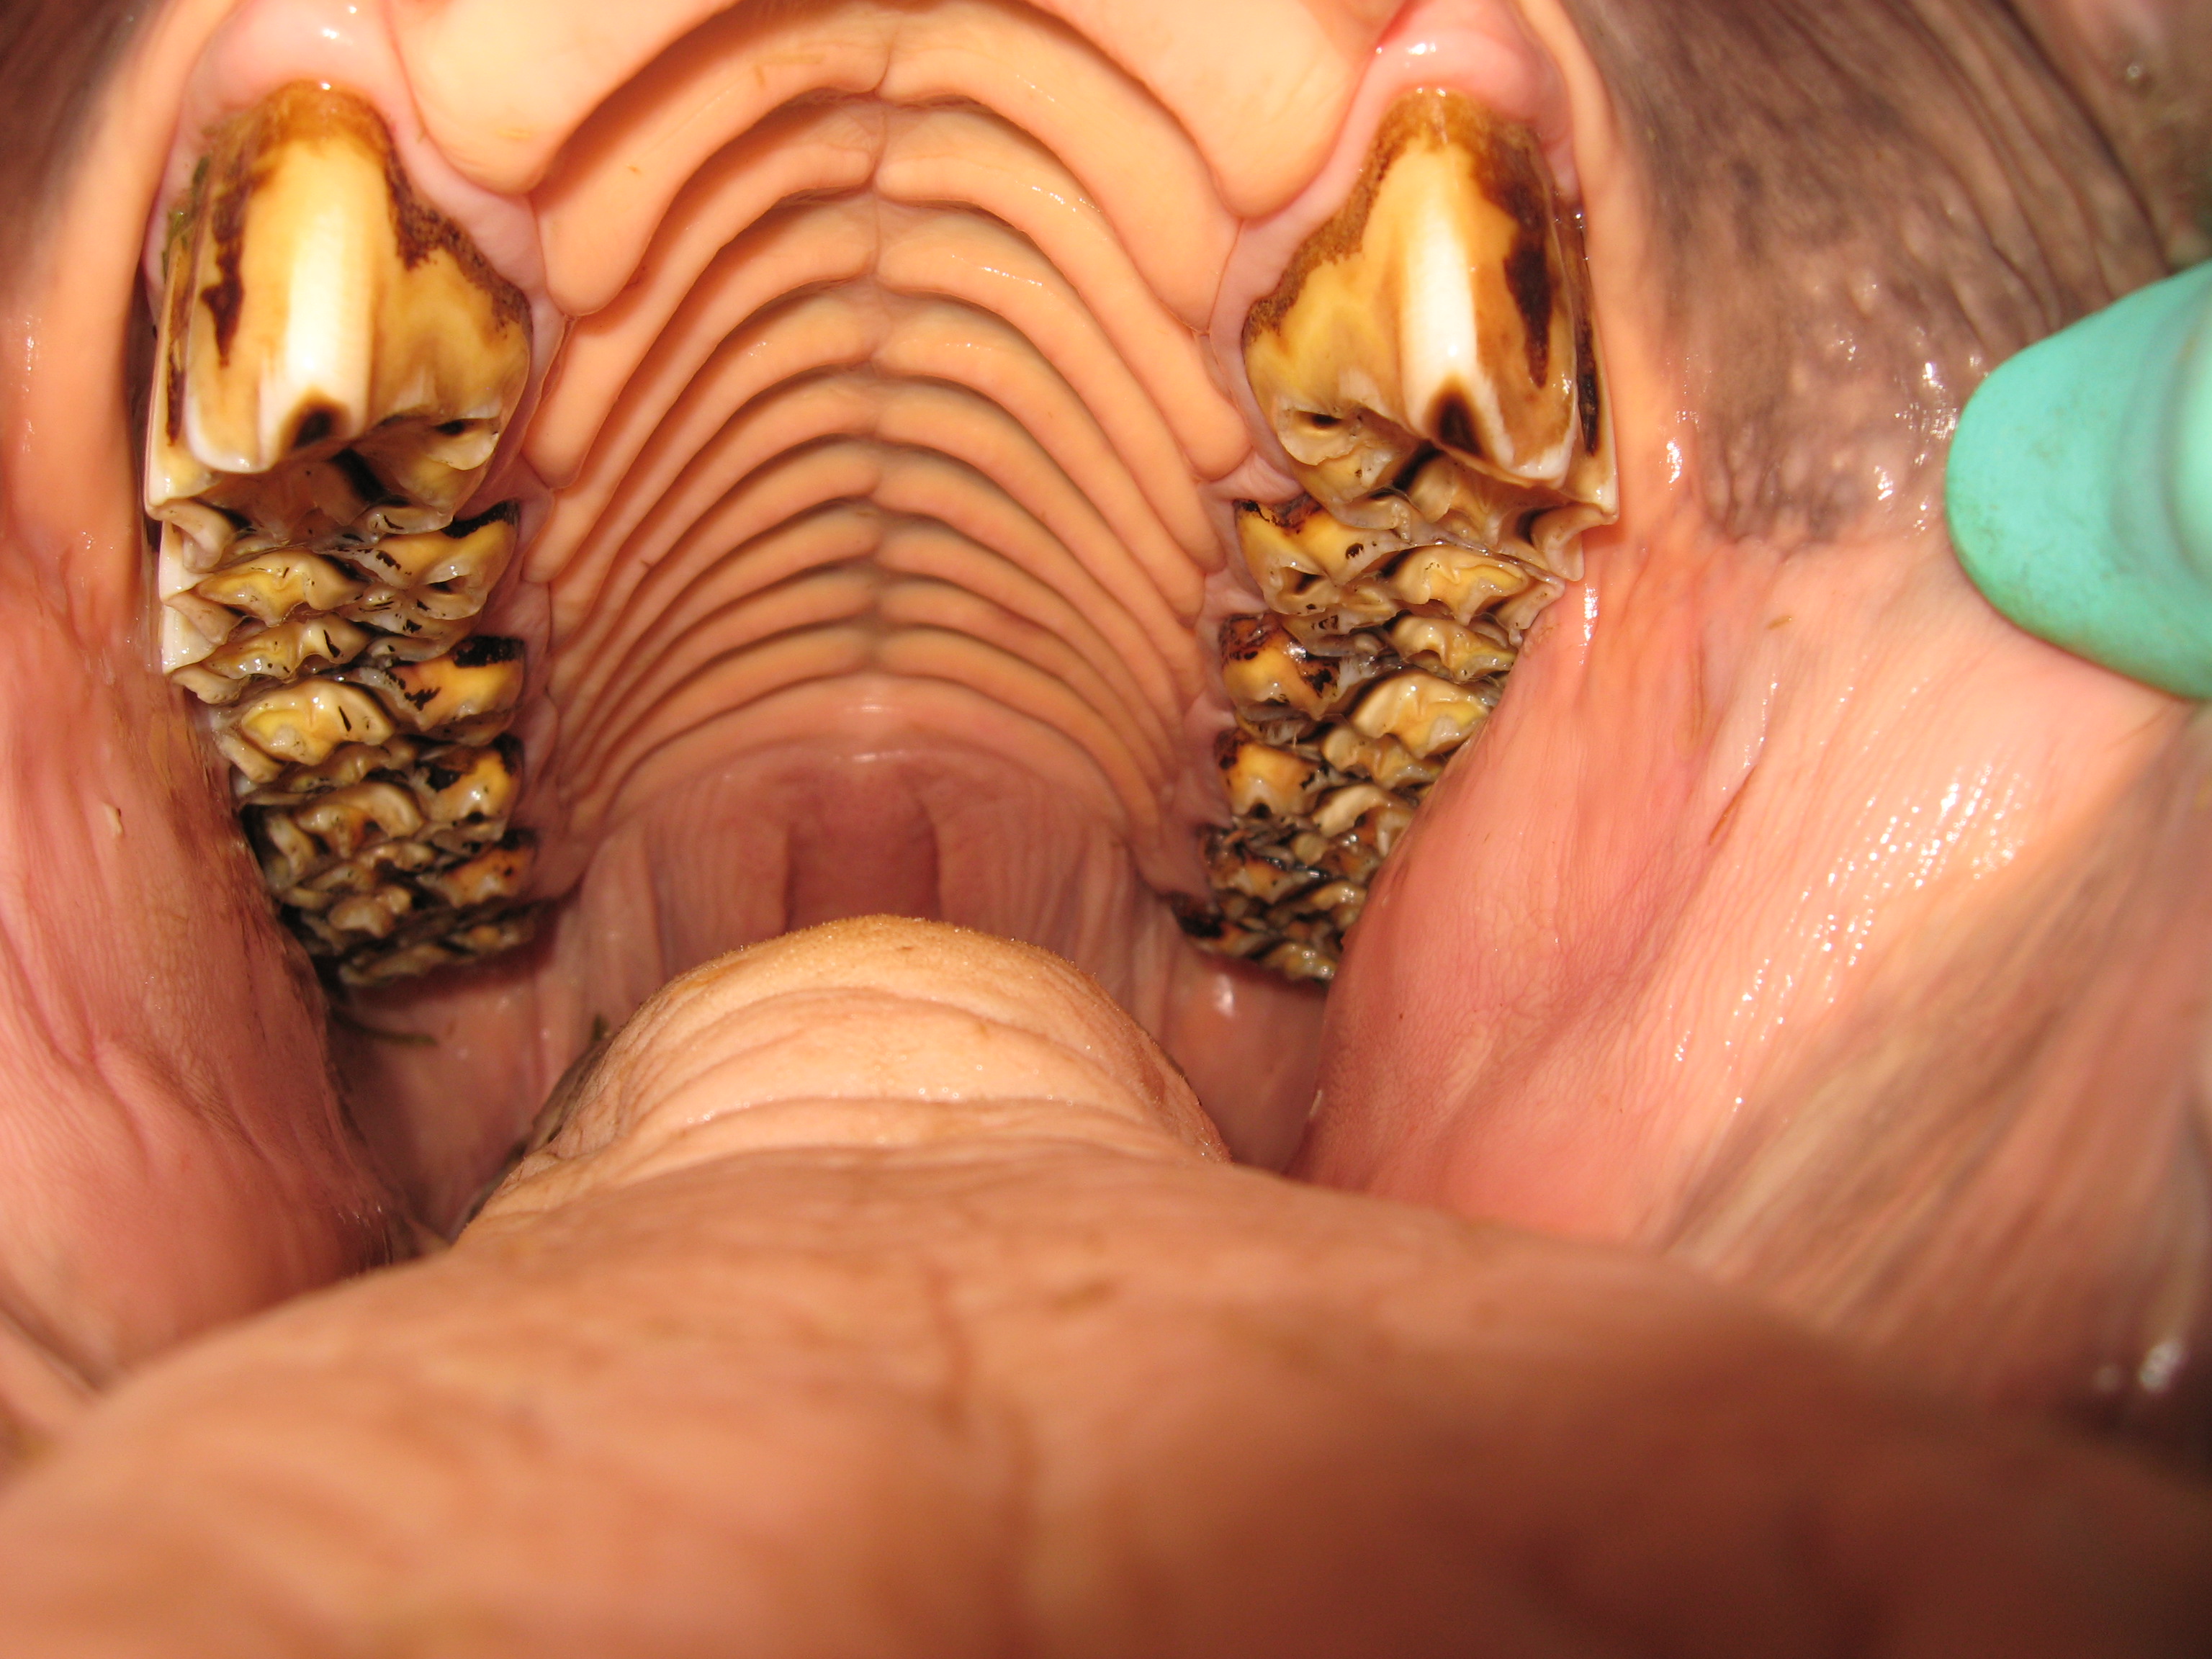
1528 279
362 479
175 418
1586 391
341 1015
1423 114
421 231
1198 918
1509 171
305 112
1452 422
482 650
185 221
1244 638
508 512
1403 479
225 297
1576 296
315 425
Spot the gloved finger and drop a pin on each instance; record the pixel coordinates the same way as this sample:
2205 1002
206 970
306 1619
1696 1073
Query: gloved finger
2080 487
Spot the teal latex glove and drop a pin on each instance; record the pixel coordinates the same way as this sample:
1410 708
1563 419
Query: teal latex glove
2080 487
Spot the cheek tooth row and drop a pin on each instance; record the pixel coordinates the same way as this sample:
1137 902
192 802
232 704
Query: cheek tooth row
338 364
1428 365
335 368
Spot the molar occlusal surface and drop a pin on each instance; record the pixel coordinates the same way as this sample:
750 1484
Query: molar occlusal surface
336 365
1429 364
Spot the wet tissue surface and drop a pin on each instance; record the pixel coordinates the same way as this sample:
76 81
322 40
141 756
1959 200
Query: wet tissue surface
1403 543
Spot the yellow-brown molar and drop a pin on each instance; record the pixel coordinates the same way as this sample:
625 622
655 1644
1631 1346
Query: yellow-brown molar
1285 892
386 915
271 587
1428 365
1465 654
1330 578
1323 768
453 796
1262 665
1427 715
1266 782
277 654
1310 565
1428 360
345 767
336 365
448 945
336 359
478 681
300 725
467 695
385 854
434 575
391 853
403 600
1382 758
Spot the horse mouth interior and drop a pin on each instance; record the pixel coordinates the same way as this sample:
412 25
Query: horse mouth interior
870 408
612 496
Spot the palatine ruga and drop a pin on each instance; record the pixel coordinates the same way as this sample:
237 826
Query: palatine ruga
337 364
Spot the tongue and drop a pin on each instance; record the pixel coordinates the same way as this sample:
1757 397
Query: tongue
863 1034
